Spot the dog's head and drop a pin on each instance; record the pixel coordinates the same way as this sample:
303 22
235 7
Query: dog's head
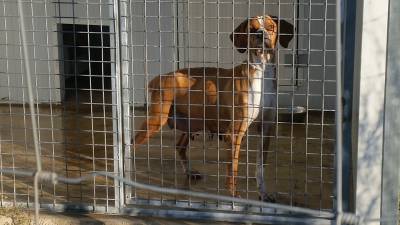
262 32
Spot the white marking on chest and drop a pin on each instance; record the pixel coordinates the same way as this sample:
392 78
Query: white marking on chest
261 21
254 96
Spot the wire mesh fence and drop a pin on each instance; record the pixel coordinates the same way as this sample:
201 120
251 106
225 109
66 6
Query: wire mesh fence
91 64
71 61
172 35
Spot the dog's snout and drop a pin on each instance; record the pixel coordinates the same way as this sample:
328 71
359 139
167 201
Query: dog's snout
263 38
267 43
260 34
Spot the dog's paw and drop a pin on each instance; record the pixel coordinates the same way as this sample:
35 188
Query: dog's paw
195 175
267 198
235 195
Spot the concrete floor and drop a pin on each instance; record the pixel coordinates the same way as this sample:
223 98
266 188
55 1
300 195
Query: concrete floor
77 139
26 217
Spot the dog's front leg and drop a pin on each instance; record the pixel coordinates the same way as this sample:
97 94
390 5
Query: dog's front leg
234 139
266 129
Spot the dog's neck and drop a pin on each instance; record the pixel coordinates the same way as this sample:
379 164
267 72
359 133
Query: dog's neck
263 67
259 60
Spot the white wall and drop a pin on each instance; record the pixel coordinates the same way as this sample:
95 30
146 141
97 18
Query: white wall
209 48
180 39
153 32
203 29
42 37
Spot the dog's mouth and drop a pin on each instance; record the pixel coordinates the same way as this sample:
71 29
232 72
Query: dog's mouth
262 48
267 44
264 54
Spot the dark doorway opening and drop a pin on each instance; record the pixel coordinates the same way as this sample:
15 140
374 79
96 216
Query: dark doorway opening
87 121
85 63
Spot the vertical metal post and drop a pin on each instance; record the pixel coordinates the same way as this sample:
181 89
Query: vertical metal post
349 31
372 68
28 75
116 104
125 85
338 115
391 142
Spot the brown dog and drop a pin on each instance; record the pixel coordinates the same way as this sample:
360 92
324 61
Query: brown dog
223 101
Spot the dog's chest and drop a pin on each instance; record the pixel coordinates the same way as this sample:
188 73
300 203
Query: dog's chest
254 95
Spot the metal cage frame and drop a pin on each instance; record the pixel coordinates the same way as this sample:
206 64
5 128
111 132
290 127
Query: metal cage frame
113 187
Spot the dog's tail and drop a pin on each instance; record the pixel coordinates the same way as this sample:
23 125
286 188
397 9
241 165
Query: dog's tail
163 89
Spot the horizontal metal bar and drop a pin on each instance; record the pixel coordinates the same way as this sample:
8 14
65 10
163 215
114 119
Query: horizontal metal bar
177 214
225 216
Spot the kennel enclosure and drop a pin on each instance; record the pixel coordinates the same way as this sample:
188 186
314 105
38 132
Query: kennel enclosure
91 62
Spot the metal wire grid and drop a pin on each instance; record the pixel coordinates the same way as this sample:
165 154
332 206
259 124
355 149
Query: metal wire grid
71 57
71 115
300 169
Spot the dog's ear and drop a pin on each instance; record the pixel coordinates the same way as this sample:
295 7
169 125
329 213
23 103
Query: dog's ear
285 31
239 36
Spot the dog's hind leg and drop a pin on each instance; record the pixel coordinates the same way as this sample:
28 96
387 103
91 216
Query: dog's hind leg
160 105
163 90
181 146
